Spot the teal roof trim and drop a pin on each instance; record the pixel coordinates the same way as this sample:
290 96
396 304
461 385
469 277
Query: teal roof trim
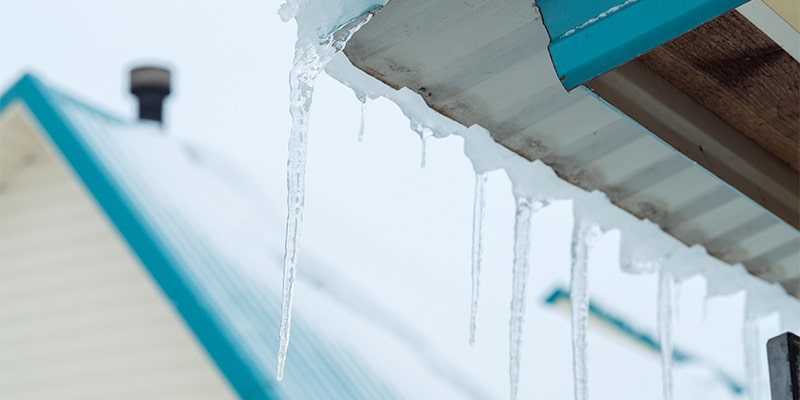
591 37
164 266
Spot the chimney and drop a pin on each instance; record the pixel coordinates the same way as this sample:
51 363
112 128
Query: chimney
150 85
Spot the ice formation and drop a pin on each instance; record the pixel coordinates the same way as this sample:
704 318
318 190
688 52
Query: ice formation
303 75
753 346
752 363
363 113
583 236
519 272
312 53
424 152
424 133
644 247
665 310
477 250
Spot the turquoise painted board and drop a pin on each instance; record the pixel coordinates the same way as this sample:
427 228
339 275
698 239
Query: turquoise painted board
588 37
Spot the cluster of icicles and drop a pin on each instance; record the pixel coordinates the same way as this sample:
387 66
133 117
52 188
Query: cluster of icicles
310 59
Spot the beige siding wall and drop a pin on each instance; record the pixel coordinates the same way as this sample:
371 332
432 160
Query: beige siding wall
79 317
789 10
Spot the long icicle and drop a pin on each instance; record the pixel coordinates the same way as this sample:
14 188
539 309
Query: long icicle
522 227
477 250
304 74
750 337
310 59
665 305
582 237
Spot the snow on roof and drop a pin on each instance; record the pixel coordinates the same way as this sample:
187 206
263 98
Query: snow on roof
206 246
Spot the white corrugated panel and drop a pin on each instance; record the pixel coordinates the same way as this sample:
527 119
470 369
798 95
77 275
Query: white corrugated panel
487 63
79 316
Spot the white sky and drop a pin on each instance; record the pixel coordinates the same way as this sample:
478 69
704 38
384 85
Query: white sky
398 233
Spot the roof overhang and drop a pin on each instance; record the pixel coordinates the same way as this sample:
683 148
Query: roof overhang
590 37
488 64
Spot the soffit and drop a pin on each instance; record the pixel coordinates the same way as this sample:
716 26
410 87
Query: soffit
486 63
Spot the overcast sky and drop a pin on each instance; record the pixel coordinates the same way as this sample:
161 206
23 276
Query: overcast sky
399 233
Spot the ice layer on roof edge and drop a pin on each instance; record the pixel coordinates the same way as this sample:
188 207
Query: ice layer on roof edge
644 247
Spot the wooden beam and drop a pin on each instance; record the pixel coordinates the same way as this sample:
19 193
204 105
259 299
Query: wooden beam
737 72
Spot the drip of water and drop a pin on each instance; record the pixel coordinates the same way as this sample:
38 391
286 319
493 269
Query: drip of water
426 133
665 306
310 59
361 126
583 236
519 272
477 249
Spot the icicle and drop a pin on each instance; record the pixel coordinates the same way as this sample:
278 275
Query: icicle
752 364
583 236
309 60
426 133
704 310
363 112
522 227
477 250
665 306
306 69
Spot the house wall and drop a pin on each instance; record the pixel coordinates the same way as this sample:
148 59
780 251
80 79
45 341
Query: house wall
788 10
79 316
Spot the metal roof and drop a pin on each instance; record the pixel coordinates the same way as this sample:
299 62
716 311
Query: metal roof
487 63
158 199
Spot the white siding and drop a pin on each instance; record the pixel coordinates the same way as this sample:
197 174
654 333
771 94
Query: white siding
79 316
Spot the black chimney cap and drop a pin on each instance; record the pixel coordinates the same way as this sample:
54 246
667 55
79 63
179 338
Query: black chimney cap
150 85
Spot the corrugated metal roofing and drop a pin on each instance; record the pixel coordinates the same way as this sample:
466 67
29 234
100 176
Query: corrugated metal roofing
487 63
233 310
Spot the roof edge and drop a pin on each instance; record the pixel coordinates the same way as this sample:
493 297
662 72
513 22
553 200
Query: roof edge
162 265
